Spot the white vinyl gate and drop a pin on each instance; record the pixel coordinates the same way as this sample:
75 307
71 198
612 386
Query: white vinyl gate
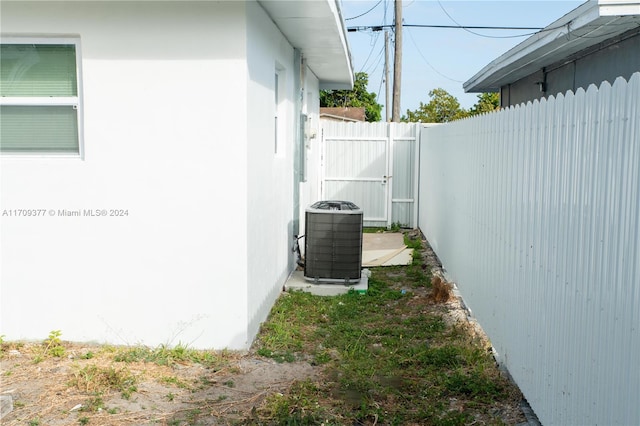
373 165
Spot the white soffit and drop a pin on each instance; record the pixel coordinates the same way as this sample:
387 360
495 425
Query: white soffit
590 24
316 28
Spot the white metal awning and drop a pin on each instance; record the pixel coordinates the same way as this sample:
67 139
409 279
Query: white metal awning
588 25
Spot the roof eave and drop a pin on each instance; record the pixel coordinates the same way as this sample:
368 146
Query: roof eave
316 28
559 39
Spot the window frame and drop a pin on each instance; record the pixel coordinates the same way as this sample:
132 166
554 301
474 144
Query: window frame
74 101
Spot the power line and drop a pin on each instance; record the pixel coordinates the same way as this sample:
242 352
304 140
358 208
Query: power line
474 27
428 63
373 46
468 29
362 14
375 65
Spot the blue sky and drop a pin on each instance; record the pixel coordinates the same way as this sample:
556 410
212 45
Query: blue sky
443 58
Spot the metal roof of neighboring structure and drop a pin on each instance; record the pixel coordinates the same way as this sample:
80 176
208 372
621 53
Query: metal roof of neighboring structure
316 28
588 25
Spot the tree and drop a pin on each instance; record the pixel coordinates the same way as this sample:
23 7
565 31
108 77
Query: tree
487 102
358 97
442 108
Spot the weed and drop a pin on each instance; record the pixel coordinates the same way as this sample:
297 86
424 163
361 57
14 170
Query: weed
171 396
475 384
173 380
51 346
99 380
164 355
413 243
322 357
54 344
441 291
374 230
193 415
83 420
94 403
300 406
229 383
112 410
34 422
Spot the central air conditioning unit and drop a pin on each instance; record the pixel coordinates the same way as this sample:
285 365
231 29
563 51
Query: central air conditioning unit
333 242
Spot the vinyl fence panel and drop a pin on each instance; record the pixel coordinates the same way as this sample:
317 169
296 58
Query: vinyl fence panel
373 165
534 212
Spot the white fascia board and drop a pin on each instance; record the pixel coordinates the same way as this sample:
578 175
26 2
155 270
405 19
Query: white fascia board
337 14
619 7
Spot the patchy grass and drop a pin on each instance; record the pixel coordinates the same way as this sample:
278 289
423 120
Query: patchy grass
97 380
169 356
388 357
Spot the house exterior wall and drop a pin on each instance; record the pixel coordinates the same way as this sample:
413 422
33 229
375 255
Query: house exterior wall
615 58
165 94
269 171
310 187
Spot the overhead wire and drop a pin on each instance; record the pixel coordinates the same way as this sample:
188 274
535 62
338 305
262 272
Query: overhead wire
467 28
373 46
362 14
429 63
379 58
476 27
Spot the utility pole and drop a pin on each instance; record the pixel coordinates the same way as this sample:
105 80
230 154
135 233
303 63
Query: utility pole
397 62
387 95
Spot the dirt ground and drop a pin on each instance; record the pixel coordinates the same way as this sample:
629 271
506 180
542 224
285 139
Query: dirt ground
57 391
190 393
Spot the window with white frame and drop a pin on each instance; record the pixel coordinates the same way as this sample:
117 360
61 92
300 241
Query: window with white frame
40 95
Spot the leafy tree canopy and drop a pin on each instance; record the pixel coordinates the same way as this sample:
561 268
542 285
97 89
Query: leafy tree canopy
358 97
444 107
487 102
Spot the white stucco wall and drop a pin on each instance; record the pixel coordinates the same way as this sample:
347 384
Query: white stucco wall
269 173
165 114
310 189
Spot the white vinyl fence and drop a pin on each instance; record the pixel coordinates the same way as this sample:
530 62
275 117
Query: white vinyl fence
534 212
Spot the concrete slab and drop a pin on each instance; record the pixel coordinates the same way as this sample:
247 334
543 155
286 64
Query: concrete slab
401 256
382 240
385 249
297 282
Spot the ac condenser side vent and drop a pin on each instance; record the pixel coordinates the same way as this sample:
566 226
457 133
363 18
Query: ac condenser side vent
333 242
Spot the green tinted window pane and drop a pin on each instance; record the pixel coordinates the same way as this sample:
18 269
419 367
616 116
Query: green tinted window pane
38 70
38 129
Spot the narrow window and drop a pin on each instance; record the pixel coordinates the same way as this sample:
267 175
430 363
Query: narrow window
39 96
